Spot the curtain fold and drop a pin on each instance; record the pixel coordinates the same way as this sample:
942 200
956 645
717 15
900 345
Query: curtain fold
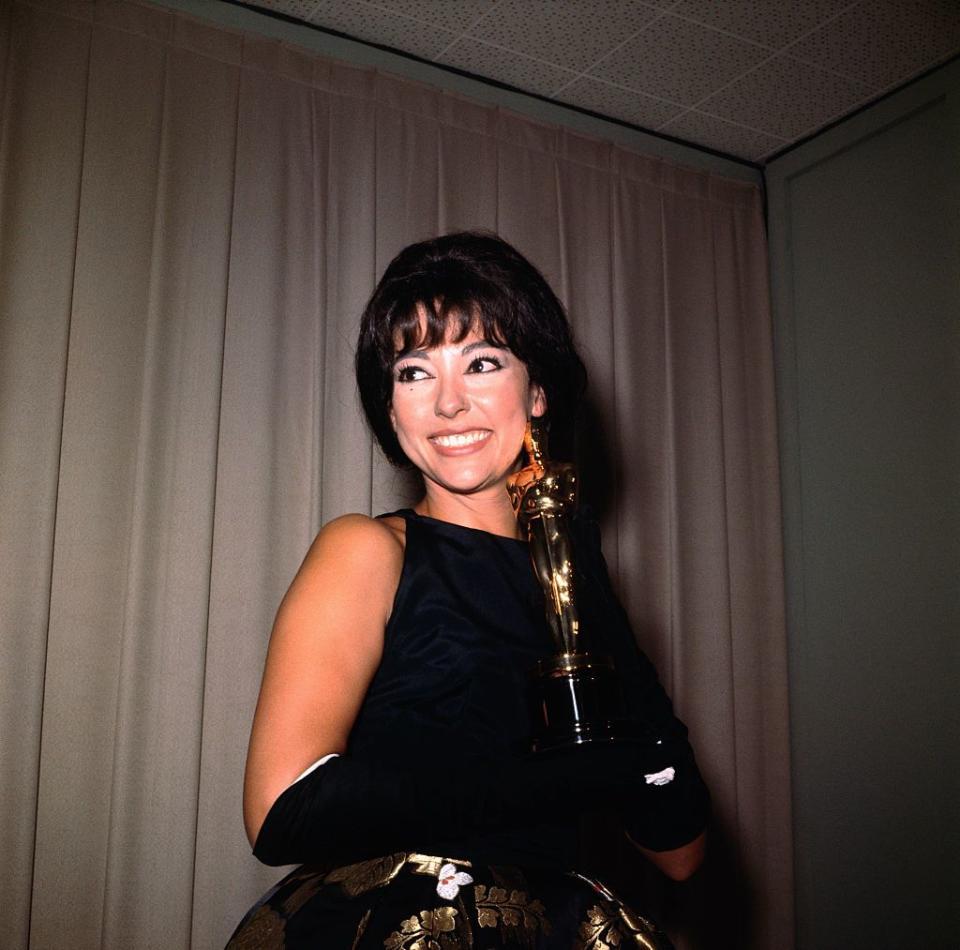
191 220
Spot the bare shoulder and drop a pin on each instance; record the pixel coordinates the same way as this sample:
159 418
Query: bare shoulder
357 534
354 552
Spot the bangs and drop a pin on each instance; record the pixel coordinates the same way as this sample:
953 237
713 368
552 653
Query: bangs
446 320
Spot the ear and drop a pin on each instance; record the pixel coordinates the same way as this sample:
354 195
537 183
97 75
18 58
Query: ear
393 417
538 401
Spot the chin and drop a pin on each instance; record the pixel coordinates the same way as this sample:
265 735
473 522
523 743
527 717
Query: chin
464 486
465 482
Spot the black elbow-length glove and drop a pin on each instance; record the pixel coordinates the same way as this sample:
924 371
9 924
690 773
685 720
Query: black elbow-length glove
351 808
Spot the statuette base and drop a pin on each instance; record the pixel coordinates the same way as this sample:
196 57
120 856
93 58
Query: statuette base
578 700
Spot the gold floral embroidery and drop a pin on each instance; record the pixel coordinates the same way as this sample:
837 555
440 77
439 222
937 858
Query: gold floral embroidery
500 907
609 926
432 930
599 931
264 931
357 879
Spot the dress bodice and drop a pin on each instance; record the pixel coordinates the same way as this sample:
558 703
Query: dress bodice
466 628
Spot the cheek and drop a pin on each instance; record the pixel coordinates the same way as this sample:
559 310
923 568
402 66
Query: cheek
503 406
515 409
407 415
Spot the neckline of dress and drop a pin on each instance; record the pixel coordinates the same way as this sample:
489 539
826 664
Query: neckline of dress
461 527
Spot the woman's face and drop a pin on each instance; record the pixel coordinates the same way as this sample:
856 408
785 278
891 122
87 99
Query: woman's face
460 411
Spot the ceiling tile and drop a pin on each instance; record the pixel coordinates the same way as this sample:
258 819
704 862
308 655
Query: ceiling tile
883 42
771 22
693 126
456 17
786 98
678 60
570 33
746 77
617 103
367 22
301 9
524 72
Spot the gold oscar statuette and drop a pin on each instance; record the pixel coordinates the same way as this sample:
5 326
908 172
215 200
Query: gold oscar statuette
577 694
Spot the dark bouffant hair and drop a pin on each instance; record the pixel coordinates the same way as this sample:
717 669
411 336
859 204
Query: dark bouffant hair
465 280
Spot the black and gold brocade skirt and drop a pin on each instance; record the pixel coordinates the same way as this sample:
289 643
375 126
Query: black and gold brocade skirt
420 902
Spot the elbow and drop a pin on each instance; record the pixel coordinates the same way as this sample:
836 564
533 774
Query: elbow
252 830
678 864
256 806
682 863
275 829
680 876
260 794
270 845
253 818
683 871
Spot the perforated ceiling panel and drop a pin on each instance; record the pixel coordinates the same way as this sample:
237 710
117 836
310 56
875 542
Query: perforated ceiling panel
744 77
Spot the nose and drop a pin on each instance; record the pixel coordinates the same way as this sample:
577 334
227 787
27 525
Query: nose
451 396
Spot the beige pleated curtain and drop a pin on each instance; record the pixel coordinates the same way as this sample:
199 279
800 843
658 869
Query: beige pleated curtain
190 221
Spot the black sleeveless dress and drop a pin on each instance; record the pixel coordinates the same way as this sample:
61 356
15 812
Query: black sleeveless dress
467 625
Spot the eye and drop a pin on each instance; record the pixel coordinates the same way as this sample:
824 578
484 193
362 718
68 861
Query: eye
411 373
485 364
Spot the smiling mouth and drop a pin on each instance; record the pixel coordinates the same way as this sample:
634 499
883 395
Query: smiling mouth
461 439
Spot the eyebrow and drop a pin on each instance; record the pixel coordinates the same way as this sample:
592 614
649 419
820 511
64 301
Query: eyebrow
469 348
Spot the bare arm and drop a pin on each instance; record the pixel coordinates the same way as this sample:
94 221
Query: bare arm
326 644
679 863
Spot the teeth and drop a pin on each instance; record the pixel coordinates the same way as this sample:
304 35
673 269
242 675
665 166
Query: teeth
462 438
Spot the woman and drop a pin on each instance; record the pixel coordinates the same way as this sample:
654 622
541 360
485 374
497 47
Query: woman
388 750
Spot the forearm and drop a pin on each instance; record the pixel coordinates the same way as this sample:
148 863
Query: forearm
667 819
350 808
